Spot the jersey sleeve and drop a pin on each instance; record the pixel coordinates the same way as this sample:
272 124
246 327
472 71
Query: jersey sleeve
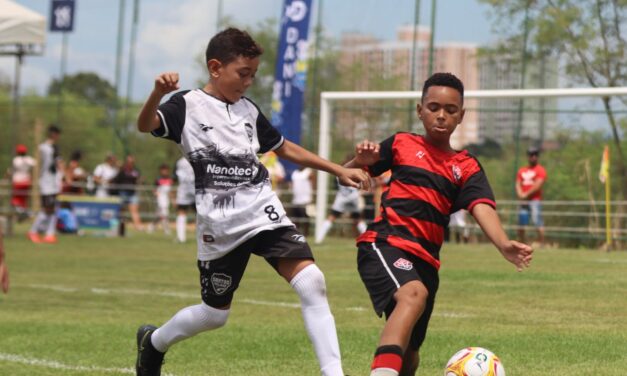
386 157
476 190
172 118
269 137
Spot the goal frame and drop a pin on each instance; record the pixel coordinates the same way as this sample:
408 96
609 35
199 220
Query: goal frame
328 98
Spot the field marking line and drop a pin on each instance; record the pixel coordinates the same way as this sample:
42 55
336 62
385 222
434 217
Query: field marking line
183 295
14 358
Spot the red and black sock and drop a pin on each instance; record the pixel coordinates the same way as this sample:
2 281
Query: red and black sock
388 356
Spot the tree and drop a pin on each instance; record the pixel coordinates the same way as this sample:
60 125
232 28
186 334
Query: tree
86 85
588 36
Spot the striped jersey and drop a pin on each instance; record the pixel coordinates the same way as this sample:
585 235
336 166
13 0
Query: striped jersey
234 198
426 186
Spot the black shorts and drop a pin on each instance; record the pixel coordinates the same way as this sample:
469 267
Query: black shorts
184 207
353 215
48 201
383 269
299 211
220 278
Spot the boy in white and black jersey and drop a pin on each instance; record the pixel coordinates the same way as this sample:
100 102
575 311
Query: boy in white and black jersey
221 133
50 176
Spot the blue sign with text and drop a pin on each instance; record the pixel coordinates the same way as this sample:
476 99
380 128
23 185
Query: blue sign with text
291 70
62 15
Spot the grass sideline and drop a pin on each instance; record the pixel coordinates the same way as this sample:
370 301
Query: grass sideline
74 307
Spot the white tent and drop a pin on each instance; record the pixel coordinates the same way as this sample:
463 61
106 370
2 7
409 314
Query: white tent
20 28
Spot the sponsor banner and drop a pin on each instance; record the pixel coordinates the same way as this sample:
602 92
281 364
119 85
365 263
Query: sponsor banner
291 71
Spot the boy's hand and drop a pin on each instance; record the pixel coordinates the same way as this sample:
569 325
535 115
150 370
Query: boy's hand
354 177
518 254
367 153
166 82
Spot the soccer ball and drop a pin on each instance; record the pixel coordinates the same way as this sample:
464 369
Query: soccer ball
474 361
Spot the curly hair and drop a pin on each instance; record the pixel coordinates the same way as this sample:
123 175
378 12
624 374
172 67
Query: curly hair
443 79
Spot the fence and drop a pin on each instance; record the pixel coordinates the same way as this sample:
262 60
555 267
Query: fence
569 223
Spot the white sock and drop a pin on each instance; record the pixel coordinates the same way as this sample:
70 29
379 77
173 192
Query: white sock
39 222
51 229
181 222
361 227
310 287
326 226
187 323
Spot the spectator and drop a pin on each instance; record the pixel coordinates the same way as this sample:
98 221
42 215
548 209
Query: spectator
275 168
50 177
457 227
66 219
529 182
185 197
74 177
21 171
302 195
125 186
104 173
162 192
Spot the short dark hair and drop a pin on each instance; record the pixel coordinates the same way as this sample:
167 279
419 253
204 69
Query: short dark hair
230 43
443 79
52 128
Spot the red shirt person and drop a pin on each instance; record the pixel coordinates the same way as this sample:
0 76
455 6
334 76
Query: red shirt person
529 182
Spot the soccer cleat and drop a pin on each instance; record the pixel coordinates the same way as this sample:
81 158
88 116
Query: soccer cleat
51 239
34 237
149 359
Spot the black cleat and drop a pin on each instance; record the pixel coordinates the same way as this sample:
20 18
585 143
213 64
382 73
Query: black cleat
149 359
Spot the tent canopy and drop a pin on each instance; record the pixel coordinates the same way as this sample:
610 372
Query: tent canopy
20 28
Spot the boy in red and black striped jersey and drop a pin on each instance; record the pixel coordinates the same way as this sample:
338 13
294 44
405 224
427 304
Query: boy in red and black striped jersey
398 256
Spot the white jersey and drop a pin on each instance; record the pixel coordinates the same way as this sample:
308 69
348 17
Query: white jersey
346 200
106 173
234 198
49 177
302 191
22 169
185 192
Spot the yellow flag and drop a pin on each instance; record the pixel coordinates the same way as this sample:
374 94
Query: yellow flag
604 173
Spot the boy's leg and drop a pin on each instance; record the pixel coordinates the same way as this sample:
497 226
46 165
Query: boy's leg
403 286
218 281
308 282
288 252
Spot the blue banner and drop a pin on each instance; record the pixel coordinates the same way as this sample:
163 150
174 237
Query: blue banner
62 15
291 71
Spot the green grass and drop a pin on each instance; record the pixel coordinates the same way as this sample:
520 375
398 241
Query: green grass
74 307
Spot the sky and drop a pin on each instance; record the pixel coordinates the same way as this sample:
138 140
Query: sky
171 34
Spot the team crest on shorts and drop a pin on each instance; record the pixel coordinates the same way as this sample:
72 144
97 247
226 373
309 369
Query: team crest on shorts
403 264
220 282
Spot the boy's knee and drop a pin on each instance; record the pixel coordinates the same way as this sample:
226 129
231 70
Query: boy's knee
413 294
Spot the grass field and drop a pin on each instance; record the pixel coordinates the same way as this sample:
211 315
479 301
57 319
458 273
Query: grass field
74 307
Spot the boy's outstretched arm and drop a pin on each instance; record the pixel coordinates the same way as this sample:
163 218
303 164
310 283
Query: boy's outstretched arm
351 177
515 252
148 120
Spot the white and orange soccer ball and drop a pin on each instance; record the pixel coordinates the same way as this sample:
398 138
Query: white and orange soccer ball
474 361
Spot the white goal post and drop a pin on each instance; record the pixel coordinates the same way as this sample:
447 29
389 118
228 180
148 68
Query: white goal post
327 99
